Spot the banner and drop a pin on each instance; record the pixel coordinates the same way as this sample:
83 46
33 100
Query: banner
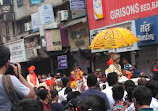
62 62
17 50
146 30
98 10
36 23
46 14
35 2
77 4
116 11
53 39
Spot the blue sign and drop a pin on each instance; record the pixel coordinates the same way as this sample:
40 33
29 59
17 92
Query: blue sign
35 2
62 62
147 30
77 4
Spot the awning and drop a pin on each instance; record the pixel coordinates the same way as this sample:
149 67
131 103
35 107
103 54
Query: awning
76 21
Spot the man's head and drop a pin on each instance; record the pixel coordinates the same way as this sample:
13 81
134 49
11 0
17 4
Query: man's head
125 61
142 97
115 57
28 105
91 80
66 82
44 94
31 69
4 58
112 78
118 92
153 86
54 95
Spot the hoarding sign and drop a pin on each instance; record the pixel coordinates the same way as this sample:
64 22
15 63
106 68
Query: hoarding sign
46 14
77 4
6 2
17 50
53 39
98 10
116 11
36 23
35 2
146 30
62 62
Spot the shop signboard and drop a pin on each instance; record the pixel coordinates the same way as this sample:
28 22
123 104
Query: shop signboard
17 50
53 40
116 11
62 62
6 2
35 2
98 10
146 30
77 4
36 23
46 14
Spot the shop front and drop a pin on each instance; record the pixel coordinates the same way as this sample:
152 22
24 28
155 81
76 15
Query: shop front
146 30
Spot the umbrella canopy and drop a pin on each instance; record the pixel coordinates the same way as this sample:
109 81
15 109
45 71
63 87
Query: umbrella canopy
113 38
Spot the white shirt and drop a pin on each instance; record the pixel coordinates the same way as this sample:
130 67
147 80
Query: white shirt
108 92
154 104
131 108
62 96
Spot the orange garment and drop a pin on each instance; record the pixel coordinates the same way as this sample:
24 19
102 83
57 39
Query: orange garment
75 77
32 77
128 73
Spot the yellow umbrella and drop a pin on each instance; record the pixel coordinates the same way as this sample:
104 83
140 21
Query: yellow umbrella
113 38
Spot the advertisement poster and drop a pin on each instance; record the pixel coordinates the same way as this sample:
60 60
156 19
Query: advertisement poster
46 14
77 4
62 62
17 50
34 2
36 23
117 11
98 10
53 40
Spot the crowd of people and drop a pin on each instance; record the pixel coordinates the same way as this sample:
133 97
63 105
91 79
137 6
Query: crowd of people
116 90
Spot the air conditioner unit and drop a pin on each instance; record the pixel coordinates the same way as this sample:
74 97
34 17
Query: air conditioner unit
63 15
8 16
27 26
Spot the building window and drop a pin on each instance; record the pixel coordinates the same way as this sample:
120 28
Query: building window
7 28
19 3
7 31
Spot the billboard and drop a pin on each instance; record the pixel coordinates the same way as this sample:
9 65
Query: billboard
36 23
146 30
116 11
98 10
77 4
46 14
34 2
62 62
17 50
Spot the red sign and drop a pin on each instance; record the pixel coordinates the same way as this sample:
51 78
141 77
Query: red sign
116 11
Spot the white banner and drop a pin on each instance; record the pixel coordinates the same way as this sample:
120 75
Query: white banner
46 14
36 23
17 50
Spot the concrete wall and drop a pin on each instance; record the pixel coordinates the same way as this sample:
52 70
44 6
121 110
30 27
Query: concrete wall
27 9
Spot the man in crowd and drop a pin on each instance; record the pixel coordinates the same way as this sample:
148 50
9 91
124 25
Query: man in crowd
62 96
142 98
93 90
21 86
127 66
112 80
